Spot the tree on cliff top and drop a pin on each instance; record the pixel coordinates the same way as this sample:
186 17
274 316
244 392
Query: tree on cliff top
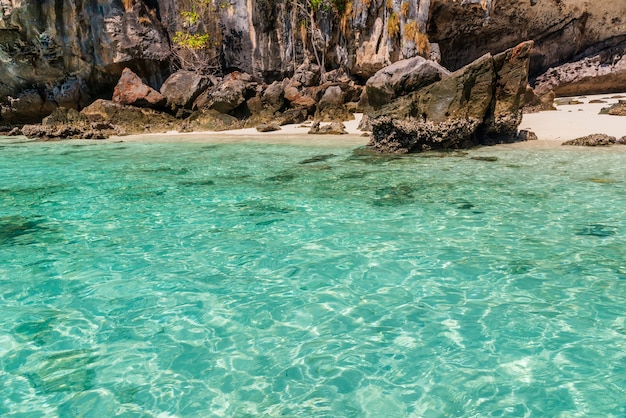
197 45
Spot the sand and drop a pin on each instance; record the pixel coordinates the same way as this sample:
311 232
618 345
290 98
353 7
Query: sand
554 127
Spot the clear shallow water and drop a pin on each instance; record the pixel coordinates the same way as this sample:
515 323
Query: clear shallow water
192 280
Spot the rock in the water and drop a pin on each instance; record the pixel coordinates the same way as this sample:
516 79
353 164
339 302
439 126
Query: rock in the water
182 88
334 128
593 140
268 127
401 78
478 104
130 90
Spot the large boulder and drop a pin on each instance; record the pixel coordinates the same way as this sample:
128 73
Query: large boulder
480 103
182 88
131 90
228 94
401 78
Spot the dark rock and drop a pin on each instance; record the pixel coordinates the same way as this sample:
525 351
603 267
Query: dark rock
274 96
228 94
621 141
131 90
292 116
72 93
511 69
391 135
568 101
307 74
334 128
29 107
182 88
268 127
401 78
593 140
526 135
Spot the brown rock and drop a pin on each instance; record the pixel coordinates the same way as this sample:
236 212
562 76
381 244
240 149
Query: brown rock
130 119
182 88
617 109
268 127
511 69
593 140
130 90
334 128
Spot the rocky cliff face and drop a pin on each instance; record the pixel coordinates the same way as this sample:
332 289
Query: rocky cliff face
68 53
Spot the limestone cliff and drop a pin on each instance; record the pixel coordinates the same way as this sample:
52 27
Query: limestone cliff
70 52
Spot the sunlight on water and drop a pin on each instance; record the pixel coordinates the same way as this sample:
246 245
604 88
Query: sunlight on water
197 280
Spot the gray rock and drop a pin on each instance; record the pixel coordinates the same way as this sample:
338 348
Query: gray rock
526 135
401 78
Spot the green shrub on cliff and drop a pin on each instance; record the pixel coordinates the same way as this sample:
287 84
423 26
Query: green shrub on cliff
197 45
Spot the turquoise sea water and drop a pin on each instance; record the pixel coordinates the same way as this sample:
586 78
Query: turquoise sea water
199 280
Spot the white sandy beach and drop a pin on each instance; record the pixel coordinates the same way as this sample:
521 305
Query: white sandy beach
554 127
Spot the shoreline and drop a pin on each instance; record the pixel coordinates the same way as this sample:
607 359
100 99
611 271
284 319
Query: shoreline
552 127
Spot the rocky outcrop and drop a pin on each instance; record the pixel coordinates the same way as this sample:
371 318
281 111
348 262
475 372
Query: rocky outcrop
594 140
478 104
70 52
601 73
130 90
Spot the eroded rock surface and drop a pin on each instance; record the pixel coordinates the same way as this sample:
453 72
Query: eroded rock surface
478 104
